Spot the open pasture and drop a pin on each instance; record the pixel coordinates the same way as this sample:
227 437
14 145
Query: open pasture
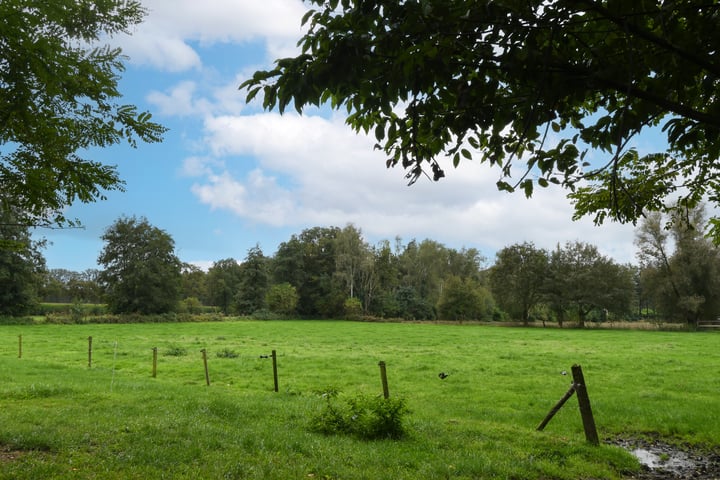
62 419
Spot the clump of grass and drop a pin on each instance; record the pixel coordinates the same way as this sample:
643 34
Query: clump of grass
363 416
175 351
227 353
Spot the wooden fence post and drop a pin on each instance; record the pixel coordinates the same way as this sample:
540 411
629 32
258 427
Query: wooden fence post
19 346
207 374
89 352
383 379
154 370
584 402
275 374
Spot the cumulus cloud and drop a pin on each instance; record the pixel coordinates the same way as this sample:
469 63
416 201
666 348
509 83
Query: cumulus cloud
300 171
332 176
166 53
165 39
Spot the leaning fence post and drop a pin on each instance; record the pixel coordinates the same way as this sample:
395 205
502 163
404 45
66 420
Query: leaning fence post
383 379
584 401
207 374
275 373
89 352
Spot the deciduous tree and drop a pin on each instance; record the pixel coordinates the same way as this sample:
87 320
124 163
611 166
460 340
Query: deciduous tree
282 298
580 279
465 299
141 272
22 266
254 282
680 267
517 279
528 87
59 99
223 283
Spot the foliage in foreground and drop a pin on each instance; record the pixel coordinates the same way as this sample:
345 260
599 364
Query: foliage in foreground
59 99
534 82
363 416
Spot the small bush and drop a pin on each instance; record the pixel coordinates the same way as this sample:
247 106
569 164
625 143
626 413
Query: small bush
227 353
175 351
365 417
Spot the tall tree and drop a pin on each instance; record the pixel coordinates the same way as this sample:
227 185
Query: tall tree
308 263
254 282
580 279
350 251
22 266
424 267
680 266
523 81
223 283
517 278
141 272
61 285
386 268
59 98
465 299
194 283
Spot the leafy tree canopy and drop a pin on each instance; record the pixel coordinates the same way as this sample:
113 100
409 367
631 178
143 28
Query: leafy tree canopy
21 266
680 269
537 83
142 274
59 97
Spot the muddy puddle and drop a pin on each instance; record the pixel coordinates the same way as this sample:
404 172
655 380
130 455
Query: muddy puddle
661 460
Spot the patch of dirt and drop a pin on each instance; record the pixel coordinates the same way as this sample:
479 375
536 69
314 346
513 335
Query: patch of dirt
7 455
661 460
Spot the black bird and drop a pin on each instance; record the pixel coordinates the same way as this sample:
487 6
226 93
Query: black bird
443 375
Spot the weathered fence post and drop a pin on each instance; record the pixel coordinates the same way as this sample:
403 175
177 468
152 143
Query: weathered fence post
19 346
275 373
584 402
207 374
154 370
383 379
89 352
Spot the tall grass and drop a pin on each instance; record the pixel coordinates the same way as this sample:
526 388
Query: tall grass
61 419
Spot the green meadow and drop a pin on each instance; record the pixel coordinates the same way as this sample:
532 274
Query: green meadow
61 418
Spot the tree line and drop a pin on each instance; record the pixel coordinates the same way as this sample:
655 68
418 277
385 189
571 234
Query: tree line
332 272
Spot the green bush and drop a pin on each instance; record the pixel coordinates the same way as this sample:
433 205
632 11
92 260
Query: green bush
353 308
363 416
175 351
227 353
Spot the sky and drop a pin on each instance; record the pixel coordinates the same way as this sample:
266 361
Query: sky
229 176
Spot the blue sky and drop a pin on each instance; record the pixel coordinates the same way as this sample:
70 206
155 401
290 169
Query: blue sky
229 176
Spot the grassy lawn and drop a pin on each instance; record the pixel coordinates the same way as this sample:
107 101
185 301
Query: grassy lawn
61 419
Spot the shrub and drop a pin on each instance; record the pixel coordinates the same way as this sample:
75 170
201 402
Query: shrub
175 351
353 308
282 298
227 353
363 416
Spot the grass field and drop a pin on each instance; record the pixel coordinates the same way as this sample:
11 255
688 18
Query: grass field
60 418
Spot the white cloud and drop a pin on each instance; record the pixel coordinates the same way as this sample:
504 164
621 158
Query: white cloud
178 101
164 52
333 177
164 39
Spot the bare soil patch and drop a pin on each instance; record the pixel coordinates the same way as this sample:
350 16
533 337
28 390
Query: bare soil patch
7 455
